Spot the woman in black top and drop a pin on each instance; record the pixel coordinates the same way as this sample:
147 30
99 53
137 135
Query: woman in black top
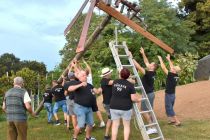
123 94
171 81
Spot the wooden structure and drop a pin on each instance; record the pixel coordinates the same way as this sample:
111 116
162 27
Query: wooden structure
132 11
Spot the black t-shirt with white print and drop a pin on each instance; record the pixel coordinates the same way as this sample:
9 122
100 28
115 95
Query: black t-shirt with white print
66 86
58 93
84 95
106 90
171 82
47 96
148 81
121 95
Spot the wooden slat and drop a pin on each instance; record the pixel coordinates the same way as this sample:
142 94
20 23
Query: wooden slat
76 17
84 33
117 15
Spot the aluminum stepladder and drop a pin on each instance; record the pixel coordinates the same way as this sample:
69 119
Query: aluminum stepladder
115 49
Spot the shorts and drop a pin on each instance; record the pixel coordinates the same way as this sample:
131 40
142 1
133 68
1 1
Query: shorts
84 115
95 106
151 97
70 107
124 114
60 104
169 104
107 109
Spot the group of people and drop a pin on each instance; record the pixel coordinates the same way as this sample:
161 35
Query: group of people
77 98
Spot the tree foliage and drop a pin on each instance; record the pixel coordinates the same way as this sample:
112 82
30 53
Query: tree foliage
198 12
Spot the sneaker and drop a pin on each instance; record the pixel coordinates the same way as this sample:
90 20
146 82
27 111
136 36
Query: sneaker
91 138
154 131
57 122
65 122
107 138
94 125
149 131
102 124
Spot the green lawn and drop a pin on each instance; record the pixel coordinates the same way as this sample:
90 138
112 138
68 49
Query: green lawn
40 130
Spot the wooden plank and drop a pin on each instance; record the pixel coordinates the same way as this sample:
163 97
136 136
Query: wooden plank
89 42
81 44
117 15
75 18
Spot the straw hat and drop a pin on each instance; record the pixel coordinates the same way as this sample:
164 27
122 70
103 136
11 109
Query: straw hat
105 71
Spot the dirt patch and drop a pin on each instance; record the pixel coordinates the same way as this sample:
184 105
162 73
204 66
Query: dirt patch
192 101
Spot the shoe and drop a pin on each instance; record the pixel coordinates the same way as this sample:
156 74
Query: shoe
107 138
154 131
94 125
57 122
177 124
65 122
102 124
149 131
91 138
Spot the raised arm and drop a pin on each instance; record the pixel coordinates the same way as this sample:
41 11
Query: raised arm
146 61
87 66
138 66
170 62
75 87
163 66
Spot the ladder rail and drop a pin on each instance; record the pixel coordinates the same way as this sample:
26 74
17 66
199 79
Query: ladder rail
142 127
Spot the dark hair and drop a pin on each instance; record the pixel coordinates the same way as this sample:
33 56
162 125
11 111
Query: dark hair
124 73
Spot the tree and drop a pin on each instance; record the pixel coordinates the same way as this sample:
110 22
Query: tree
38 67
8 63
198 12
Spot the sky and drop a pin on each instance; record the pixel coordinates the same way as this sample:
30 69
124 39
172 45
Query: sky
33 29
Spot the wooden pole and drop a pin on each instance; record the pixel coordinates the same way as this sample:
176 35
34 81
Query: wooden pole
89 42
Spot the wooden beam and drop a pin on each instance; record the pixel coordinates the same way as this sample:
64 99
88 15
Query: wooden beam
89 42
117 15
84 33
76 17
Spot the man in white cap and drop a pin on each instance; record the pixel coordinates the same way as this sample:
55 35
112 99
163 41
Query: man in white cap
106 86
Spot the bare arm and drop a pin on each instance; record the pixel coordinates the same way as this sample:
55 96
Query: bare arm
163 66
111 82
146 61
75 87
97 90
87 66
135 98
29 108
4 106
169 60
138 66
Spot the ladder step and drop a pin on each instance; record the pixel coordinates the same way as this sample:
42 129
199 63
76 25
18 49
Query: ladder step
142 112
119 46
127 66
139 87
152 124
123 55
156 138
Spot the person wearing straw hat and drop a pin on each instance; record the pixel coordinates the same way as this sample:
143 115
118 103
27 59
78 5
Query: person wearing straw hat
171 82
106 86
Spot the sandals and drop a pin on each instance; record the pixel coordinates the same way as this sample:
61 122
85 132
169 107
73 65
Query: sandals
177 124
171 122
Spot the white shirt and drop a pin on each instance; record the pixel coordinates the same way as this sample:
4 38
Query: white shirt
90 79
26 97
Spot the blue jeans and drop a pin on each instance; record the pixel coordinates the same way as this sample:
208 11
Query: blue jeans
151 97
84 115
48 107
59 104
169 104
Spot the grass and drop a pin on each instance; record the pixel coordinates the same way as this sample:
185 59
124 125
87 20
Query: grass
39 130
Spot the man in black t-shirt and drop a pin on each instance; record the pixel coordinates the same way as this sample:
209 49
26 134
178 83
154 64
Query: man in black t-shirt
148 82
106 86
171 82
70 100
83 99
60 101
48 103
